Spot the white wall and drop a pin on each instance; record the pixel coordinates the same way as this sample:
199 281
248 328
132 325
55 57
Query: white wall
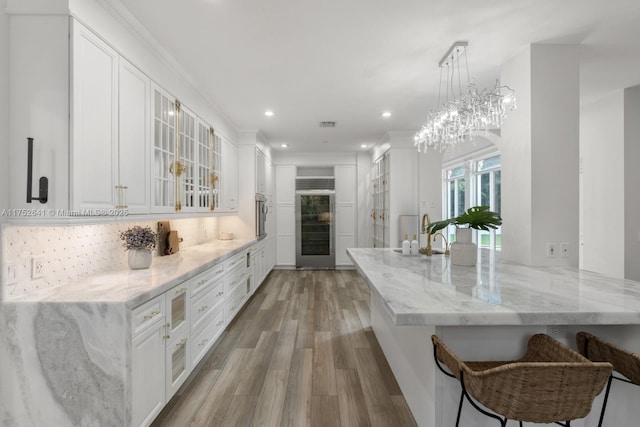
4 108
601 187
631 182
540 147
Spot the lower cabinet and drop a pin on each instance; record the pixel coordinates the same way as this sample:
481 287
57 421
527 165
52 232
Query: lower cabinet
173 332
148 360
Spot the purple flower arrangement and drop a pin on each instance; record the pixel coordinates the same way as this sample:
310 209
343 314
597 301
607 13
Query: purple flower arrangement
138 237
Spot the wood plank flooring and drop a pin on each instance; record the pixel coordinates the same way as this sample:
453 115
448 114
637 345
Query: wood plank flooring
300 353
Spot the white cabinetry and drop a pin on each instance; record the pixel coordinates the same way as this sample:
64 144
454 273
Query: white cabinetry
229 171
148 361
94 109
134 118
110 128
345 215
260 172
285 215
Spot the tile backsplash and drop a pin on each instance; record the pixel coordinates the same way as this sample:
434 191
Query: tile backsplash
73 252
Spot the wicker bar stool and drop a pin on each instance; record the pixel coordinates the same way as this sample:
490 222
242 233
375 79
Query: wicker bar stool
550 383
623 361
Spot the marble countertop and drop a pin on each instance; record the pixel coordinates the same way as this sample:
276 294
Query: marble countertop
421 290
135 287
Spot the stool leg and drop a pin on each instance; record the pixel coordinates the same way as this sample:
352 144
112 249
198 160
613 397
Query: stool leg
460 408
606 398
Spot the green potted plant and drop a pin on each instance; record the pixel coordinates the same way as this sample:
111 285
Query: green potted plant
139 241
463 250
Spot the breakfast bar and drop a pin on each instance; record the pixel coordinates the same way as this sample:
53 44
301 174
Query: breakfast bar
487 312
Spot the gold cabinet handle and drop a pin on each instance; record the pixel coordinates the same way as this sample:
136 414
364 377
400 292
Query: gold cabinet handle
203 342
151 315
166 337
201 282
220 322
182 342
181 291
203 308
219 294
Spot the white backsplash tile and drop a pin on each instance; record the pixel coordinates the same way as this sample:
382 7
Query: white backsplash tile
74 252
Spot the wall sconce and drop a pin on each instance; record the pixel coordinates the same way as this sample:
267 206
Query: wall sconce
43 190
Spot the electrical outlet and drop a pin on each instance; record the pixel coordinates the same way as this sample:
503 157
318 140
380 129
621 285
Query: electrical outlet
37 267
564 250
551 250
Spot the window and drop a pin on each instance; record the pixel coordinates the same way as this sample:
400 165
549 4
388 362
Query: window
482 173
488 192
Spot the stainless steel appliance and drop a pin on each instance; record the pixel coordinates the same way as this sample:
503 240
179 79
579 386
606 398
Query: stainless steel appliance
315 234
261 216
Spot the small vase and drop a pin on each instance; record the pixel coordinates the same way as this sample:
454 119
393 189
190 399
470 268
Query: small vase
463 250
139 259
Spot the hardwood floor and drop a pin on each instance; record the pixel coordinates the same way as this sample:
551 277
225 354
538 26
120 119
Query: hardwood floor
301 353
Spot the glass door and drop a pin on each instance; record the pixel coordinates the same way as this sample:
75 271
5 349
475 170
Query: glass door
315 230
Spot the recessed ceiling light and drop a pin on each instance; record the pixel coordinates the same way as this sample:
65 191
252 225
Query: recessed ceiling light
386 114
363 145
268 113
283 145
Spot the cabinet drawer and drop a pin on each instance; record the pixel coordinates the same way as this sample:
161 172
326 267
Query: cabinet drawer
205 304
233 281
235 261
147 314
203 340
202 282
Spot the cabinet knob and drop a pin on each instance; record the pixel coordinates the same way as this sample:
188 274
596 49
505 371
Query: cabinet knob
220 294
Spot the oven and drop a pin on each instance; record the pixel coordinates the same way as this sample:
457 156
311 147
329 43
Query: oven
261 216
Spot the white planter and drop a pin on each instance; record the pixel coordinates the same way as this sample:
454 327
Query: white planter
139 259
463 250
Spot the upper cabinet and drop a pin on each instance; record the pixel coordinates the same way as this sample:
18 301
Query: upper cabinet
164 154
134 118
110 128
109 139
260 172
229 201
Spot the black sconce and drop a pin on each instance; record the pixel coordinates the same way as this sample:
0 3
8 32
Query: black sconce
43 191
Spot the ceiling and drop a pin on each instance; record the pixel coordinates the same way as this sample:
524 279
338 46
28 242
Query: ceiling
349 60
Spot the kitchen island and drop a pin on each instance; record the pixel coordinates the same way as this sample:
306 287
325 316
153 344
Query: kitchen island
488 312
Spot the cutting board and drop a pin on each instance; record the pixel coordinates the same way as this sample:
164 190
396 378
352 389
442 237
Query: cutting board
173 242
163 232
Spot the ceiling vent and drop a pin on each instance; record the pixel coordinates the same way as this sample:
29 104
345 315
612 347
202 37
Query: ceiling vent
327 124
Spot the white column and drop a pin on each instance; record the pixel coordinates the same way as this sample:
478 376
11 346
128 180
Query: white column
540 147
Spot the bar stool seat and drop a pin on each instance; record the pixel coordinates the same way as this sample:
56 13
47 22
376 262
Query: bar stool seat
623 361
550 383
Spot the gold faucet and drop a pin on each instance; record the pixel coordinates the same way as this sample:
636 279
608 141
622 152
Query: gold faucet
446 244
426 225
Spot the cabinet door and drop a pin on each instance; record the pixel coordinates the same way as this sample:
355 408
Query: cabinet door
134 140
164 144
286 185
229 176
94 116
178 313
260 172
177 364
148 375
187 177
345 184
207 174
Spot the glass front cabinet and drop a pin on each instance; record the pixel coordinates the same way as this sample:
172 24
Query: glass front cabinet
186 159
380 212
177 363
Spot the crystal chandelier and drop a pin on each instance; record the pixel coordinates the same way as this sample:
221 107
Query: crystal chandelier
462 114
